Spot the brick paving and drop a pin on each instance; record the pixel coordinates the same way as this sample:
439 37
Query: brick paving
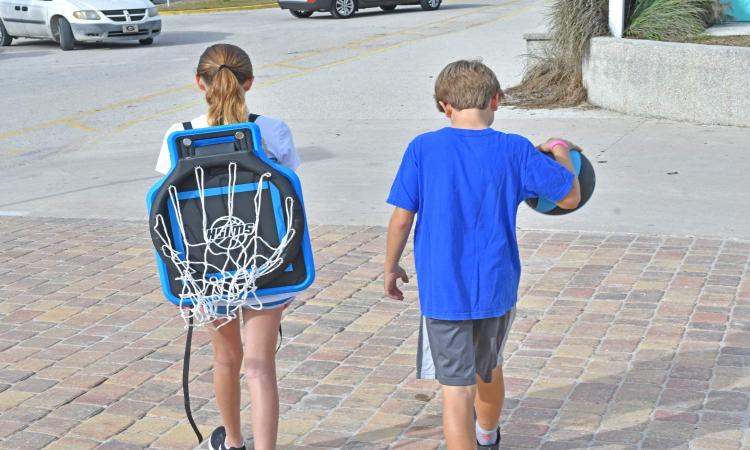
621 341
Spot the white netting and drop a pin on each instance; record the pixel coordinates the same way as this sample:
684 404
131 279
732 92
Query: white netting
218 290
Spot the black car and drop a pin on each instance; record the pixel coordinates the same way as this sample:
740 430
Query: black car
342 9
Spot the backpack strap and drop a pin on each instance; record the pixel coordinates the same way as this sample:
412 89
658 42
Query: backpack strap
251 118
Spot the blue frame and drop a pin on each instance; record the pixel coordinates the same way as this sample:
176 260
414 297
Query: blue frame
254 131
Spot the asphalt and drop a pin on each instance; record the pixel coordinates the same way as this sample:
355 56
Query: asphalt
85 126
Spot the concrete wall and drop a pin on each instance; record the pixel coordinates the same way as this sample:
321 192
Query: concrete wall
536 47
700 83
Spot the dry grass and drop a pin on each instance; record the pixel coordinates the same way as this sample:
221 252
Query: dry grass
736 41
189 5
672 20
556 79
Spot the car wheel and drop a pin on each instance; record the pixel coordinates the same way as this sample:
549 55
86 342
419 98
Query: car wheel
301 14
388 7
430 5
147 41
65 34
343 9
5 39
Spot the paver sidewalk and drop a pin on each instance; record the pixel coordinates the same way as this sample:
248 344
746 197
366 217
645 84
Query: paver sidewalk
621 341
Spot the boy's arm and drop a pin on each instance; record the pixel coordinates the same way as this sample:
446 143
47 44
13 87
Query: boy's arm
398 233
562 156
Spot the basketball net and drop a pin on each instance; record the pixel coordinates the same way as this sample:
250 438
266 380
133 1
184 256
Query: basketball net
217 292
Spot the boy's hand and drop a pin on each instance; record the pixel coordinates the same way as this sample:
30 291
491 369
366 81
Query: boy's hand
391 282
548 146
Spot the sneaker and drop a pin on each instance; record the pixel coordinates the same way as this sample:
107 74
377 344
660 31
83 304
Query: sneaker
218 439
495 446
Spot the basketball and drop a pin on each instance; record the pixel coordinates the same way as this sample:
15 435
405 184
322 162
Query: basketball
586 178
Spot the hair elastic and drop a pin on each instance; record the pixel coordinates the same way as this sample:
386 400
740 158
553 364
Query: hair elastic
559 142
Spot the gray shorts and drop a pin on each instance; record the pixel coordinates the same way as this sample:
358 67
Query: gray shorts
455 351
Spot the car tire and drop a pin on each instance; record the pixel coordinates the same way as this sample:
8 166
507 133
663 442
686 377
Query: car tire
5 38
430 5
147 41
388 7
343 9
301 14
65 34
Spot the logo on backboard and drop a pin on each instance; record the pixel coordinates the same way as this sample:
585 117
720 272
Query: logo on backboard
229 233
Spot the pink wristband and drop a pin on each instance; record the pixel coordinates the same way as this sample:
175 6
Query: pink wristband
559 142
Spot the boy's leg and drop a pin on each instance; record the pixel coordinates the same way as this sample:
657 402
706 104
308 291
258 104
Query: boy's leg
490 338
227 345
261 336
489 400
446 352
458 417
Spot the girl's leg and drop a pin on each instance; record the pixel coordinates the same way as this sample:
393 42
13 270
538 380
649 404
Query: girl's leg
261 331
227 344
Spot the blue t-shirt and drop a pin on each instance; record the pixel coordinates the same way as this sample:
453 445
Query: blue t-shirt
465 186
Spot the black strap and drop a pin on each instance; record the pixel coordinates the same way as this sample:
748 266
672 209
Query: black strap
185 376
251 118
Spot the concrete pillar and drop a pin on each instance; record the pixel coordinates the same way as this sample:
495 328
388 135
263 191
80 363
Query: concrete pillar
617 17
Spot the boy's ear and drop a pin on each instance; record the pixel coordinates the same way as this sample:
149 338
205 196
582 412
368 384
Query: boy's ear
494 102
447 109
200 83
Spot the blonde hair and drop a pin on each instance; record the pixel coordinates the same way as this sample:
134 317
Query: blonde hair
224 68
466 84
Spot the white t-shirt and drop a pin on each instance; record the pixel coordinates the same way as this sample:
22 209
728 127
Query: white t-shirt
277 142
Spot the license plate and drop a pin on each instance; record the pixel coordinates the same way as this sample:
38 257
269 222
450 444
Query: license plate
130 28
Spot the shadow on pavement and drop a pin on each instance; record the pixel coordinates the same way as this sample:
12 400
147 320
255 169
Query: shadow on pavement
166 39
623 409
401 9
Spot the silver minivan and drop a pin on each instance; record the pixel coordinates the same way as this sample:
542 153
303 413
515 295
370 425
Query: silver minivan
70 21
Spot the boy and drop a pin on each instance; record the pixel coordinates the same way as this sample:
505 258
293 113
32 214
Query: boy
465 182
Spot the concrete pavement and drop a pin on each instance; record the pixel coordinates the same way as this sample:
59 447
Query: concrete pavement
621 341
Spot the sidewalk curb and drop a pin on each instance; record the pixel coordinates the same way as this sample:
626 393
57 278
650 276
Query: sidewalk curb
211 10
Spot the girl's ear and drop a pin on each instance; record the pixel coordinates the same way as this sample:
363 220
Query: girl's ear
248 84
200 83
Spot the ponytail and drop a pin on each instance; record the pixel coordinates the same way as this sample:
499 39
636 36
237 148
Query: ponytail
226 100
224 68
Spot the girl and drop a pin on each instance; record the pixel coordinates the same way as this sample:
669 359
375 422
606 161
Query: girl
225 74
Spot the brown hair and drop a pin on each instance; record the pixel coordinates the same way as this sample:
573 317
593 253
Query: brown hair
224 68
466 84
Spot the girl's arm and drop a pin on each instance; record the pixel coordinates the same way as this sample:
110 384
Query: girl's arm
164 163
284 149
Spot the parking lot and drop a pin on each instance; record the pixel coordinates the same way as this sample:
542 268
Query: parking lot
84 127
